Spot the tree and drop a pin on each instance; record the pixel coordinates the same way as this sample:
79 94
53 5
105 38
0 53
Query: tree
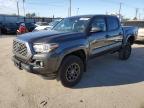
135 18
31 15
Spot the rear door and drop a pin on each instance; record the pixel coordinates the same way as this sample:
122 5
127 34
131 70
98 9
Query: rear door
114 32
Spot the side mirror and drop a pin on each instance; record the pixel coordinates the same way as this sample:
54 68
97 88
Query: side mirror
95 29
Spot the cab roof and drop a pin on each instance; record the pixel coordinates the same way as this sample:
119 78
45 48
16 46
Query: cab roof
90 16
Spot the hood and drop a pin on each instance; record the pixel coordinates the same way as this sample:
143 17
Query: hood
45 36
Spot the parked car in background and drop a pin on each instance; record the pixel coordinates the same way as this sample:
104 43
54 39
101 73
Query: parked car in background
48 26
29 25
63 52
41 23
52 24
22 29
141 32
40 26
131 30
9 28
139 24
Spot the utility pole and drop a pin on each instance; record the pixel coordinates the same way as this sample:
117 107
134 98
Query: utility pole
17 7
120 7
77 11
68 12
139 16
70 7
136 14
24 7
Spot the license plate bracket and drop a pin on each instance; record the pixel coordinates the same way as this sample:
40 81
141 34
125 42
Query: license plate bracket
17 64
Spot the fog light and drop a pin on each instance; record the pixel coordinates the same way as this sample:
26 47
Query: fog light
39 63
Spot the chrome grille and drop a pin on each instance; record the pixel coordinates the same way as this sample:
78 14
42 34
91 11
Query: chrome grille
20 48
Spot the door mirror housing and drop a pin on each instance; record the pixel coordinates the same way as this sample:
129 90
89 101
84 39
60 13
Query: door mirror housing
95 29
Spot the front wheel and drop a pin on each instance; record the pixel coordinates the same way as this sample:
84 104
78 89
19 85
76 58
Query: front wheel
125 52
71 71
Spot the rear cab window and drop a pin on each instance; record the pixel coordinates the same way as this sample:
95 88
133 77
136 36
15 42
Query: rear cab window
99 22
112 23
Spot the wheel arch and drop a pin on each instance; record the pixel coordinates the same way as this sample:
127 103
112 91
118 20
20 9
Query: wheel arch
129 38
81 53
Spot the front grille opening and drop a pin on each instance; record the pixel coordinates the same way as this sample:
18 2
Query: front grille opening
20 48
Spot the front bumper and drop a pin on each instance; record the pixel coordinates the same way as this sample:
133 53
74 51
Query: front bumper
49 68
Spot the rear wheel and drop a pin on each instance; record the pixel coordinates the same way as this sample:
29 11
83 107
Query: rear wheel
71 71
125 52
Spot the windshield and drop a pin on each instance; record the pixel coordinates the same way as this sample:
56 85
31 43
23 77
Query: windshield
75 24
53 23
41 23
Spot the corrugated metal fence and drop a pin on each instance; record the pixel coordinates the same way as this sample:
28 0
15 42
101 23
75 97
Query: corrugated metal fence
14 19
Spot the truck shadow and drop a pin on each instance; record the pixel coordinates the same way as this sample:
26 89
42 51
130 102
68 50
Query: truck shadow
109 71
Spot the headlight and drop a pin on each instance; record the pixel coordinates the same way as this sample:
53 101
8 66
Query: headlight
43 48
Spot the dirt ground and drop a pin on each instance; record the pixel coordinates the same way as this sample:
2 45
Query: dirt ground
108 83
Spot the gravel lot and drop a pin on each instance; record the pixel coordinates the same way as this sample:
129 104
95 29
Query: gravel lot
108 83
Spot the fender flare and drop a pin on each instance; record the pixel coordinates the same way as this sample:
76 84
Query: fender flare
69 51
127 38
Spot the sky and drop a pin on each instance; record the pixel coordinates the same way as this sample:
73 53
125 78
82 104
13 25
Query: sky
59 8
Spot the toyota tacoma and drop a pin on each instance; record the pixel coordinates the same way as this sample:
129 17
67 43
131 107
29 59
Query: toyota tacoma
63 52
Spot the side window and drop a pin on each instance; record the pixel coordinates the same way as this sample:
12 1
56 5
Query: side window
100 23
112 23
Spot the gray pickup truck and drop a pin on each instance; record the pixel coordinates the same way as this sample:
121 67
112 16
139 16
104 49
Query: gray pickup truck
63 52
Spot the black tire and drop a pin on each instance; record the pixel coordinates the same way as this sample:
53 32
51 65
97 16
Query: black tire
71 71
125 52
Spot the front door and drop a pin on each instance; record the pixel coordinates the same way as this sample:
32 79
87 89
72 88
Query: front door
98 39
